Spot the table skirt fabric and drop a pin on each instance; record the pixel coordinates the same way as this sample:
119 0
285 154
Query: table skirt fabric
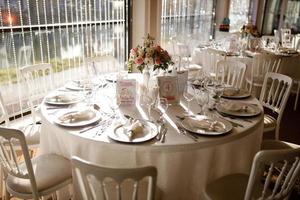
182 172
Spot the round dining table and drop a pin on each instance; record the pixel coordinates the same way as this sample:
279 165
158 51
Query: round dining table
184 165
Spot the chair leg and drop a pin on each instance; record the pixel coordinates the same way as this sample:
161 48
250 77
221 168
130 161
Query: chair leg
297 95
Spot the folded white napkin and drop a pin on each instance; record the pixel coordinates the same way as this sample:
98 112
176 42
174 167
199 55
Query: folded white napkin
77 116
64 98
135 128
207 125
231 92
235 107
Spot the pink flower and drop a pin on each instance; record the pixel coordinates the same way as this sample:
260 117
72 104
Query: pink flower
157 61
133 51
138 61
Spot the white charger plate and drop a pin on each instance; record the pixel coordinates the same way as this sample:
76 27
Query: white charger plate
96 118
226 126
149 132
75 98
251 111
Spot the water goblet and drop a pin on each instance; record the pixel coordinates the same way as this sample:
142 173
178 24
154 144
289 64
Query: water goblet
202 98
189 94
163 107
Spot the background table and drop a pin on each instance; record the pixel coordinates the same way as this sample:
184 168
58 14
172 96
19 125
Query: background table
184 166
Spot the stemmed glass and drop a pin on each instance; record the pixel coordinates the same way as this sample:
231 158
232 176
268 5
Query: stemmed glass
189 94
202 98
163 105
218 91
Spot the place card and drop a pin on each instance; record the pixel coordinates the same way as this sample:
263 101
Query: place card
168 88
126 91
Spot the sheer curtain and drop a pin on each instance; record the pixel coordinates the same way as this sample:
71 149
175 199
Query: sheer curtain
238 14
188 21
60 32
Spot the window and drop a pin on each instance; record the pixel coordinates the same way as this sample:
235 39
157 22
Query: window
238 14
186 20
62 32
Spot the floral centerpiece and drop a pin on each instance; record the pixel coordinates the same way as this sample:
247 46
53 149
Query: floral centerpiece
149 56
249 30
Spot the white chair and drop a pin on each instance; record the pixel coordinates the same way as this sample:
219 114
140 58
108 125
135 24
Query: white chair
210 59
92 182
39 81
259 185
231 73
31 130
262 64
274 95
31 179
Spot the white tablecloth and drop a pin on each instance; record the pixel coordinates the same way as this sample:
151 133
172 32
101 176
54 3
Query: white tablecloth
184 166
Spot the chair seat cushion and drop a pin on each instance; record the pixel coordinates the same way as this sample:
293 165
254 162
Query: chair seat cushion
231 187
277 144
49 170
269 122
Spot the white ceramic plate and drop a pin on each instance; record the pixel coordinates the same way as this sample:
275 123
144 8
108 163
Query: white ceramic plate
149 132
63 98
95 118
232 93
239 109
220 126
78 85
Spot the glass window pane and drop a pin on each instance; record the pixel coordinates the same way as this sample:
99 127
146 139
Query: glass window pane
238 14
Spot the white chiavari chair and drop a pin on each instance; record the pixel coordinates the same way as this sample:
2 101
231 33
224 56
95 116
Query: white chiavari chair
274 95
210 59
259 184
92 182
30 179
262 64
30 130
231 73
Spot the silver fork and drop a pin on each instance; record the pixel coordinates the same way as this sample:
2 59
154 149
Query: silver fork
184 132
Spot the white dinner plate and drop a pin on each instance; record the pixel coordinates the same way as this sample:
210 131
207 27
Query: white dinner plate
204 125
239 109
79 85
233 93
95 116
63 98
149 132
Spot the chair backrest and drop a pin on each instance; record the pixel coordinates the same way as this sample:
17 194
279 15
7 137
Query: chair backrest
231 72
39 81
263 63
84 173
210 60
285 164
9 160
275 92
183 50
3 111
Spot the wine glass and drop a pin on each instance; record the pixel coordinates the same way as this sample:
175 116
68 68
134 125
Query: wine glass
218 91
189 94
149 101
202 98
163 107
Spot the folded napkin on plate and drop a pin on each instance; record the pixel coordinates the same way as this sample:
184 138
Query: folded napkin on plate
78 116
207 125
235 107
135 128
64 98
231 92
